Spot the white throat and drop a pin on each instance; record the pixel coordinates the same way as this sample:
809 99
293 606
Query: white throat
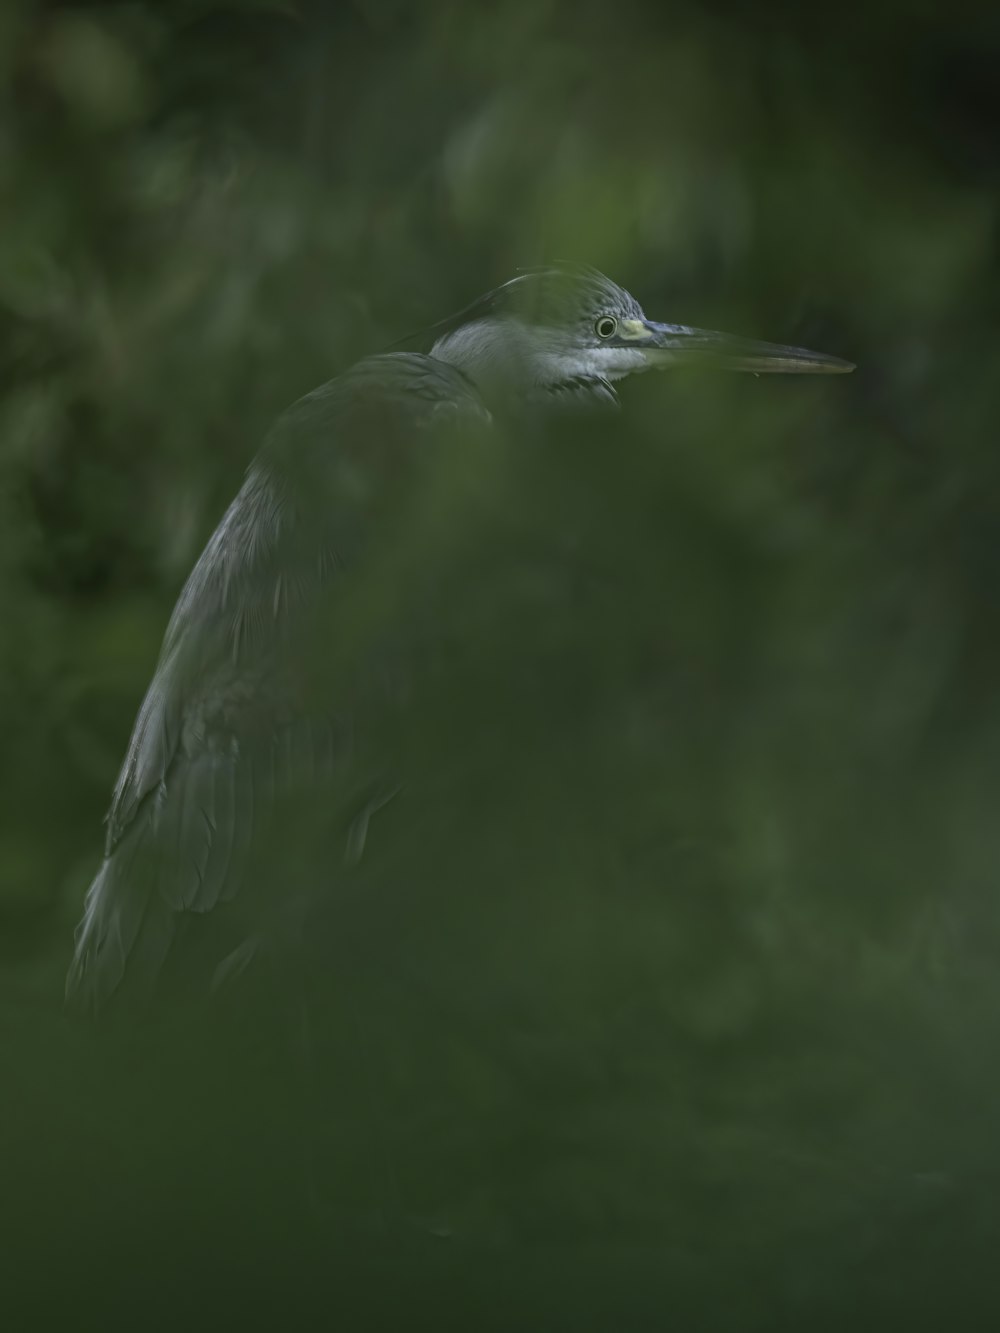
508 355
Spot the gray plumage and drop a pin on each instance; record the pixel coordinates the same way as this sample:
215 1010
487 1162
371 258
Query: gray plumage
219 734
227 729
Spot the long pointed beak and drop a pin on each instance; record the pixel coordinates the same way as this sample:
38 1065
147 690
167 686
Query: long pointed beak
676 344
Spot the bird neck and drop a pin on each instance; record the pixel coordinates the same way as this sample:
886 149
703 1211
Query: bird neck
515 367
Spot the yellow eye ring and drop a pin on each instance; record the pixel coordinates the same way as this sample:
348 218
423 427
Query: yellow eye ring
605 326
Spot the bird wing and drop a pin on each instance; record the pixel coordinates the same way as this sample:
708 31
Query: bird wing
223 729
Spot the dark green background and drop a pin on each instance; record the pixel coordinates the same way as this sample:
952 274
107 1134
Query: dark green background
675 1002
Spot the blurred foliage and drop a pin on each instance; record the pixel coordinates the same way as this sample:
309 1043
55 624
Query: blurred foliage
676 1001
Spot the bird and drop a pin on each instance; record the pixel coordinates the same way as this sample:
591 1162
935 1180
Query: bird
236 730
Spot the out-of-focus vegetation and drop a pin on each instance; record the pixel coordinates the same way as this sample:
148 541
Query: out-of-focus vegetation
676 1002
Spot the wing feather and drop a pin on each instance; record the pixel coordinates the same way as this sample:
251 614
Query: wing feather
213 883
219 735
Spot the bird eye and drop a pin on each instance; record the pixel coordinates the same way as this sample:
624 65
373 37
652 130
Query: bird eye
605 326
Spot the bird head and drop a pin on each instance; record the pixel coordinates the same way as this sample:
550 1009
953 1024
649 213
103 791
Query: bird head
568 327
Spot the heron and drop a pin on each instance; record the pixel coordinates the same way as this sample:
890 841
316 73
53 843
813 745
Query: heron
229 726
